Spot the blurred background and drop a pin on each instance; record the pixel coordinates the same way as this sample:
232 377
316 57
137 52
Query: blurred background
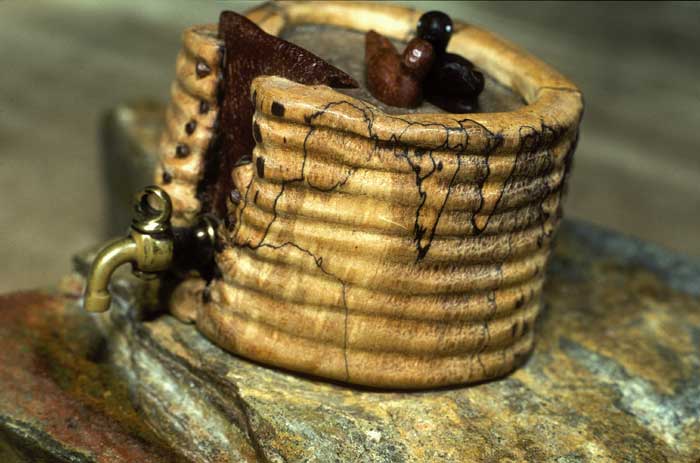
65 62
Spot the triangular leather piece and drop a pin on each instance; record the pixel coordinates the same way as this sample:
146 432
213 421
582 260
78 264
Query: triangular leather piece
251 52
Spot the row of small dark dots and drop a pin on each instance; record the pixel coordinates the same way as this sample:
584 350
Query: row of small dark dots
202 69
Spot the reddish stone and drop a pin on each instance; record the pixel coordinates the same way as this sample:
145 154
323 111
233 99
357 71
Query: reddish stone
58 399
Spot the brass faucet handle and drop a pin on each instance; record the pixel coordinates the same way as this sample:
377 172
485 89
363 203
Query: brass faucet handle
152 210
149 248
151 231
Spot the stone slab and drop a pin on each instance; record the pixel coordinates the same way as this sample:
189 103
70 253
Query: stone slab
615 377
59 399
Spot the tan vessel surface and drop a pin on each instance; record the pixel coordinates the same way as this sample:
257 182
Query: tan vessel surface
379 249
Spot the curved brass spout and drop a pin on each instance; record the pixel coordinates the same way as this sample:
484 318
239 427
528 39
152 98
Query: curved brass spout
149 248
114 254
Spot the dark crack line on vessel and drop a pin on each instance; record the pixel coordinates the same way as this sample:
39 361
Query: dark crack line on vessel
494 141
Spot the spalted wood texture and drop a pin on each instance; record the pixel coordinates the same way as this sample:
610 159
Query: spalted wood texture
614 377
190 121
391 250
251 52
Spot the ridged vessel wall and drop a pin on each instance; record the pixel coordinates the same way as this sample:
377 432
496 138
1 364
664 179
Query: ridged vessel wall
403 251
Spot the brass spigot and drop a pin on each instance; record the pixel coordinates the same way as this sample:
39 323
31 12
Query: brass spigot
149 248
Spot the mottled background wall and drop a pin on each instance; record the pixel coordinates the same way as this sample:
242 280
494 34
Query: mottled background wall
63 63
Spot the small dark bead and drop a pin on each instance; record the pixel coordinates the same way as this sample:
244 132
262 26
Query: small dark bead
202 69
436 28
166 177
277 109
203 107
235 196
453 84
190 127
182 150
456 75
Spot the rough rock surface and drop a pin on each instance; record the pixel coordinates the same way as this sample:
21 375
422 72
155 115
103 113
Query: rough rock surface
60 399
615 377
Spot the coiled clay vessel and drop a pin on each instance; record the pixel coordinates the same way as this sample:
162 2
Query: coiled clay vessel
401 251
